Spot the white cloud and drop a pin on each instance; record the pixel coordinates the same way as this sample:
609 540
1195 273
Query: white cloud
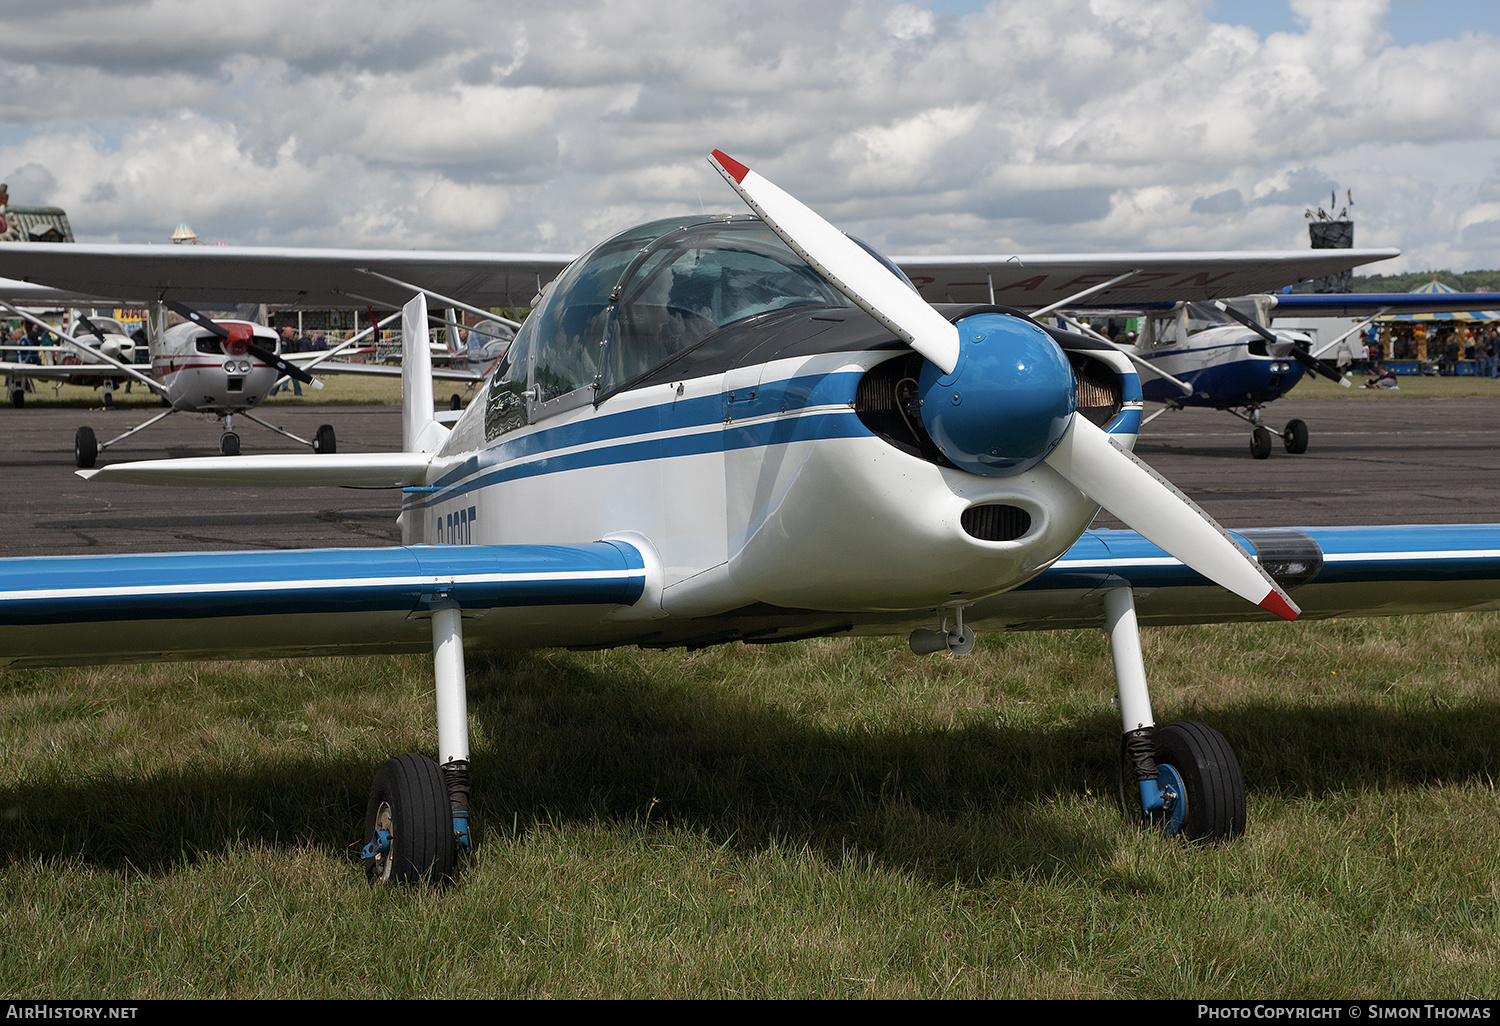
1073 125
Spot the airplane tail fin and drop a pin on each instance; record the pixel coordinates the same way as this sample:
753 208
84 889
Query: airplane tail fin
420 430
156 324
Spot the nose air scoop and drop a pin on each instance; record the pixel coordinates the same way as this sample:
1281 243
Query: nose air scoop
1008 402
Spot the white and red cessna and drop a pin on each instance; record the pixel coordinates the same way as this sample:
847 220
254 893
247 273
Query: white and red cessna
225 368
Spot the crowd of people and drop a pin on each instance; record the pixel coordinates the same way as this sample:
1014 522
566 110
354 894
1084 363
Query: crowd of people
1440 348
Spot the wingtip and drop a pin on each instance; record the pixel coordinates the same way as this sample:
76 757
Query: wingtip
733 168
1278 603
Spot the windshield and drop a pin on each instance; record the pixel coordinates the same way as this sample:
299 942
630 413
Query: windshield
694 280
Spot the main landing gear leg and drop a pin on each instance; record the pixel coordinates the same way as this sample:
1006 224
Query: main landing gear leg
1183 778
418 816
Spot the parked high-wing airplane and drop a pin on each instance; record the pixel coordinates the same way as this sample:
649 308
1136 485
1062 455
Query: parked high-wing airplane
198 366
1225 354
716 429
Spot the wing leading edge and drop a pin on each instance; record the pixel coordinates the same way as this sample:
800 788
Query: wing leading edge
1329 571
77 610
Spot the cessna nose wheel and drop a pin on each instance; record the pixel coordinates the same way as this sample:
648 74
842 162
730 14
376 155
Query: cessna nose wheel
229 444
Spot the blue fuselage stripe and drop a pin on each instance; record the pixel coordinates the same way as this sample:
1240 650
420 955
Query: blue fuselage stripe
689 427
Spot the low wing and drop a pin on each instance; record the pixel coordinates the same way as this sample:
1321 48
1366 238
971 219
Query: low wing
316 278
378 370
1368 304
357 469
1329 572
1032 282
78 610
59 371
82 610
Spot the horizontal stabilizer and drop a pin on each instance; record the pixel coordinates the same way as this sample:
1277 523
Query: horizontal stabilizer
363 469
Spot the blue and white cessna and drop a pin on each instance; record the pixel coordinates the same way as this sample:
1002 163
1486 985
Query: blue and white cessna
716 429
1225 355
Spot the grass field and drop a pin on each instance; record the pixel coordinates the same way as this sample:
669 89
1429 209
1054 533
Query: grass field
827 819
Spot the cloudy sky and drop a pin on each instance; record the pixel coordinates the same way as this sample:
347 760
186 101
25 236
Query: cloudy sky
924 126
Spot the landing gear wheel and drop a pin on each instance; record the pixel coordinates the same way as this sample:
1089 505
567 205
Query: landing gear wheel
85 448
323 441
108 400
1294 437
18 398
455 402
1260 443
409 824
229 444
1211 777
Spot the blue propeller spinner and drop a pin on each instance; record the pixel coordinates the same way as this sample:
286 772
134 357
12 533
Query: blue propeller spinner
1008 402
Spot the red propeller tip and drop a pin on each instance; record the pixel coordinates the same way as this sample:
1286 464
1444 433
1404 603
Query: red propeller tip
1280 606
734 168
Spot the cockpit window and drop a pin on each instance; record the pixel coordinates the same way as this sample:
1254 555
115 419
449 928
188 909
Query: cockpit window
656 291
572 321
698 279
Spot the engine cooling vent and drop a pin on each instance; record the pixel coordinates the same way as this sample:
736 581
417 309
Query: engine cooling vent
996 522
1099 395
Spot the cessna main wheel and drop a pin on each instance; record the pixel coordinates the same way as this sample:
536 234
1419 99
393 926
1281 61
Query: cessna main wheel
323 441
85 448
1195 763
1294 436
409 824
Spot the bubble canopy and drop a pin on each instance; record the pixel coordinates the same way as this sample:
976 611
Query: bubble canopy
658 290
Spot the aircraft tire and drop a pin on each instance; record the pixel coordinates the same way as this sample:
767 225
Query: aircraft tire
455 402
409 801
324 441
18 398
1260 443
108 400
85 448
1211 776
1294 437
229 444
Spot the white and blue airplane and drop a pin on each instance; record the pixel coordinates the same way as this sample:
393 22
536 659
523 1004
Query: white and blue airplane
1225 354
751 428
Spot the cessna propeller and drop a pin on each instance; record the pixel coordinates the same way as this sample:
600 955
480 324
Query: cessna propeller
239 341
1299 354
999 397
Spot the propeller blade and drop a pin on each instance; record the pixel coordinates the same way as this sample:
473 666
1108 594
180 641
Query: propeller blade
867 282
1299 354
1150 505
283 367
1317 366
202 320
88 326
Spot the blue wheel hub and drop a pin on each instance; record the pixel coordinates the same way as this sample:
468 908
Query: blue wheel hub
1008 401
1165 799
